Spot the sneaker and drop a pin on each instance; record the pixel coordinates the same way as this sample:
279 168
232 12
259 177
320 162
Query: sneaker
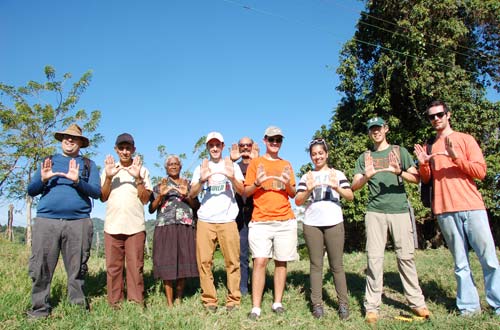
253 316
371 317
343 312
422 312
317 311
211 308
279 310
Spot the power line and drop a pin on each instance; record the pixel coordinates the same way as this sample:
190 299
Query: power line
480 53
246 7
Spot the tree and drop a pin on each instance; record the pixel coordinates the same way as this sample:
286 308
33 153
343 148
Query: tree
404 55
30 115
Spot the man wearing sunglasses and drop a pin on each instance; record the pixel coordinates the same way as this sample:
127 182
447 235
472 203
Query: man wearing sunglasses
455 162
246 149
383 169
273 229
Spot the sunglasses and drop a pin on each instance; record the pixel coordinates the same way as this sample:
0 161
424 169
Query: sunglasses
67 137
318 141
273 139
242 145
436 115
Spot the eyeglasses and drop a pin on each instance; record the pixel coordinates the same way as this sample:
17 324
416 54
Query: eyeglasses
242 145
273 139
437 114
318 141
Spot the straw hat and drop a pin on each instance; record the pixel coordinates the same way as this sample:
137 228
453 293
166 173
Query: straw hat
73 130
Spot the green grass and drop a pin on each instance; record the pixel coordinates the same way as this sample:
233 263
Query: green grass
434 267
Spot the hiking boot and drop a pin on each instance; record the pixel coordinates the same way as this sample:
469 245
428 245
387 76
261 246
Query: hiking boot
422 312
371 317
343 312
317 311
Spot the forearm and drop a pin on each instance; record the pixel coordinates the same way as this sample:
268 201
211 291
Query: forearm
474 169
346 193
302 196
106 189
410 175
359 181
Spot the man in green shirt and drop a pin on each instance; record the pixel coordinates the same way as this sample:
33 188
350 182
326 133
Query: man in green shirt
384 168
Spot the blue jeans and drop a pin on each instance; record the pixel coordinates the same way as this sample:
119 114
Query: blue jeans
244 268
459 230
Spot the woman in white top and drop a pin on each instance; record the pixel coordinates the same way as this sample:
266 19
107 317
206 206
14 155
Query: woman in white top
320 191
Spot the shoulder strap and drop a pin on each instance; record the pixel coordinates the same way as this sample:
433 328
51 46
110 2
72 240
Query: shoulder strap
86 168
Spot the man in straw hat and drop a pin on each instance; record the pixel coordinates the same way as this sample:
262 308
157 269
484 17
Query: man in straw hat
66 183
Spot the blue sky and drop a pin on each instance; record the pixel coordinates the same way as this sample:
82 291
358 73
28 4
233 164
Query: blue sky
169 72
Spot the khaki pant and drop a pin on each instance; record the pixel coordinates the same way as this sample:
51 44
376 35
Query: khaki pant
401 230
226 234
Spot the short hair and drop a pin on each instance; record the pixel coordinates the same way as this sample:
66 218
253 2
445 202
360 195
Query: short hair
170 157
437 103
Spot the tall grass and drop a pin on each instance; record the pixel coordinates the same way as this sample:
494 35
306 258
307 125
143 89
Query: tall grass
435 270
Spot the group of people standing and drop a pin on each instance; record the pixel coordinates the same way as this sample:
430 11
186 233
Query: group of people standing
244 207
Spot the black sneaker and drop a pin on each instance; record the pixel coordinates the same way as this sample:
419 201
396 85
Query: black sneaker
317 311
343 312
253 316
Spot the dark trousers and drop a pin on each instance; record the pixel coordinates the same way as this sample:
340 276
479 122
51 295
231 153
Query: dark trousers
121 249
331 238
71 238
244 268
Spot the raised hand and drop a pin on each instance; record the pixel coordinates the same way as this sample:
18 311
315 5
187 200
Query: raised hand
255 151
228 168
109 166
73 171
261 175
332 179
204 170
235 152
164 187
421 154
285 176
393 163
450 150
46 170
369 168
310 182
183 187
135 169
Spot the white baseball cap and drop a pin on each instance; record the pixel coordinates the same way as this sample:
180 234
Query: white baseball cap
214 135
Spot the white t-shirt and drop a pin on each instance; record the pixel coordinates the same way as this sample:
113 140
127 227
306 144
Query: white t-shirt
218 204
323 205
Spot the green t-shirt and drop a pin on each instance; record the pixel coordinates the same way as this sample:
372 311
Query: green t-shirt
387 192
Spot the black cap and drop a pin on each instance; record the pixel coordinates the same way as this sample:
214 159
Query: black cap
124 138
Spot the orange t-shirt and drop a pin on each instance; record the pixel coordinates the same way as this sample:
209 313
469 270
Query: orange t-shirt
270 200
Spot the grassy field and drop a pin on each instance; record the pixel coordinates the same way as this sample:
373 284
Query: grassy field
434 268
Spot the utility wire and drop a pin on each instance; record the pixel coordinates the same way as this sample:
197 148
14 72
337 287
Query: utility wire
480 53
354 39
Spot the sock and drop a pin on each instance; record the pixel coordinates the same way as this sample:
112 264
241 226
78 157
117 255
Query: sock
256 310
276 305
